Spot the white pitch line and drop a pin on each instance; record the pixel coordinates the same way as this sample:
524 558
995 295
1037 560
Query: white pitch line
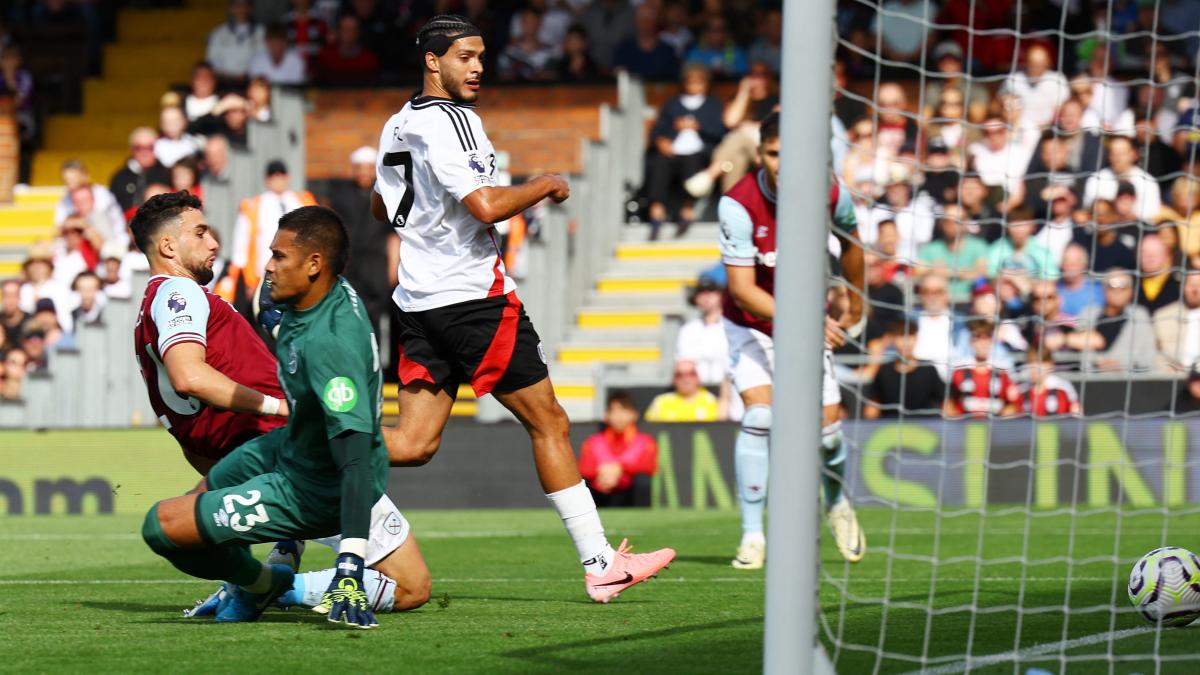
129 536
1037 650
449 580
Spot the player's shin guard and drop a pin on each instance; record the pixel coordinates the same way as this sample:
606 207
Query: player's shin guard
228 563
751 461
308 589
833 458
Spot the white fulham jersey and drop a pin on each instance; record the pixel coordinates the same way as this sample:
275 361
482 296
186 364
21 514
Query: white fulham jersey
432 154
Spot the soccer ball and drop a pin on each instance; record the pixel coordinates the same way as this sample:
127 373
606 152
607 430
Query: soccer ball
1164 586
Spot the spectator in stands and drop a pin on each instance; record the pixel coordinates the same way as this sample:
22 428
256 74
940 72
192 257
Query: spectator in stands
1040 89
618 461
737 153
13 319
257 221
901 26
17 82
233 44
1020 251
526 57
76 250
1078 290
1085 150
688 128
1047 325
16 367
914 219
128 185
1122 159
717 51
375 24
676 31
885 300
608 23
115 276
216 159
904 386
90 299
1159 159
687 401
1158 285
935 322
553 23
258 100
958 255
1103 239
40 282
185 175
74 174
1046 394
645 54
1001 164
305 29
947 126
102 225
37 353
1177 327
576 64
374 245
278 62
701 340
1059 229
979 388
229 118
972 98
1184 214
1188 398
768 46
202 97
45 319
1052 172
1109 99
942 176
347 60
896 128
1118 336
175 143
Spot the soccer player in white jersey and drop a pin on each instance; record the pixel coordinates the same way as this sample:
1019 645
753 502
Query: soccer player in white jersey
460 318
748 228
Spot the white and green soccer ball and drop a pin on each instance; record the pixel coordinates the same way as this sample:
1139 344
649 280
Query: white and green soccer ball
1164 586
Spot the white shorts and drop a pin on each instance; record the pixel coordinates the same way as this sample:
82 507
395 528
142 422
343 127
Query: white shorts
752 362
389 530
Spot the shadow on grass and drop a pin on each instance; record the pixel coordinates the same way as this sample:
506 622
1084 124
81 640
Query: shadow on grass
663 642
718 560
510 598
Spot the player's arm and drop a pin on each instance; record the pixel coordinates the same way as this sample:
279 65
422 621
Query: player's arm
739 253
180 313
492 204
853 263
191 375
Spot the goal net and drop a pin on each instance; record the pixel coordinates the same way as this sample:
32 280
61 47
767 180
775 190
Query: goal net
1026 185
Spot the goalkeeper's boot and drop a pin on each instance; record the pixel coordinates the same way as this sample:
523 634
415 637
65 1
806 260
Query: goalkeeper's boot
626 570
240 605
207 606
287 552
843 522
750 556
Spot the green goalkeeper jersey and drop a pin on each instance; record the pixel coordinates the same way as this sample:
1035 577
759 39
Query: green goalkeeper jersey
329 369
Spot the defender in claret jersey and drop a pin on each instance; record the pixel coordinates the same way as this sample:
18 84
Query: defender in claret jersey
460 318
748 226
321 473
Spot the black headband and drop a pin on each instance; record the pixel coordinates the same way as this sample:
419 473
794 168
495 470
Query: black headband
440 44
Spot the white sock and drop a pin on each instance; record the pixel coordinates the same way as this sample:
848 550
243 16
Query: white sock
262 584
578 512
309 588
754 538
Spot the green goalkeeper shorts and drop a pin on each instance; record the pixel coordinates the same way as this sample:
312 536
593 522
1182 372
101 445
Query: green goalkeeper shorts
248 502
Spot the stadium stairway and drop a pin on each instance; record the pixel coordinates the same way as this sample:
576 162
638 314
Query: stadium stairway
30 218
154 49
626 318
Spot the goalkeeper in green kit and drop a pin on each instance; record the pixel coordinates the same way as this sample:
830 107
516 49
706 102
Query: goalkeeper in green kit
317 476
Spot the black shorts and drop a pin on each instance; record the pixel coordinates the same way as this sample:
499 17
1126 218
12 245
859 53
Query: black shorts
488 343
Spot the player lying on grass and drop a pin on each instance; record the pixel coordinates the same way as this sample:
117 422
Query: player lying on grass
194 349
460 318
748 227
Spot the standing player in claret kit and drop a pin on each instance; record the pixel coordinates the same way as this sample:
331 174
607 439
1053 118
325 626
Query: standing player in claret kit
747 215
206 372
460 318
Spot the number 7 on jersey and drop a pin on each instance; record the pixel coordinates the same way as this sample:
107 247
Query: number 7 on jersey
404 161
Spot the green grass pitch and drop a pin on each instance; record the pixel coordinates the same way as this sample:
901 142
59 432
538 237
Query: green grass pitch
83 593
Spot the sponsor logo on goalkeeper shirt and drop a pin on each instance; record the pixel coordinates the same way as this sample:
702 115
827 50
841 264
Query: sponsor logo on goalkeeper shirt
340 394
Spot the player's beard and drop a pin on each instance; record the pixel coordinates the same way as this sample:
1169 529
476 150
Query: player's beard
457 90
201 272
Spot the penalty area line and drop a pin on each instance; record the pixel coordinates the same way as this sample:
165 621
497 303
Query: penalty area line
1034 651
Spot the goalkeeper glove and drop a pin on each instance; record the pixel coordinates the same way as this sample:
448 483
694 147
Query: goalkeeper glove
345 600
269 314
